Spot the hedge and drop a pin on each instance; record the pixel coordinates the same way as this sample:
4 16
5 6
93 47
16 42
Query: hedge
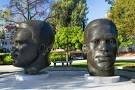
57 56
6 59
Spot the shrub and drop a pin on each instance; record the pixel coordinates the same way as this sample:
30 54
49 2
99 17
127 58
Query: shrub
57 56
6 59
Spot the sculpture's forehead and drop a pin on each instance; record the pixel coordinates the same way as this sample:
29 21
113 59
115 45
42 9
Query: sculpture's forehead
23 34
104 31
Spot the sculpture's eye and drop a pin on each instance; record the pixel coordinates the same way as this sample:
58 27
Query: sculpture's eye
111 41
97 41
19 42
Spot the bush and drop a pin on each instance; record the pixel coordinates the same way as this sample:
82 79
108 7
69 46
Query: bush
6 59
57 56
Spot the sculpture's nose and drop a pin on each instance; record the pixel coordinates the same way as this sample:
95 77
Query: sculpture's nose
103 46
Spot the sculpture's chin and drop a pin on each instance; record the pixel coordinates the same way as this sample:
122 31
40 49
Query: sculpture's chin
104 63
104 66
15 63
18 63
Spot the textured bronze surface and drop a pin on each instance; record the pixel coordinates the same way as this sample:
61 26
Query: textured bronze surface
101 47
33 41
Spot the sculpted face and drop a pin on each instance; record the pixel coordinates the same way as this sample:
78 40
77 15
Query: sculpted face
101 38
25 50
32 43
103 47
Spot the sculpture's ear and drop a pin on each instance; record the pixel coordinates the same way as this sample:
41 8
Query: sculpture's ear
85 48
44 49
41 48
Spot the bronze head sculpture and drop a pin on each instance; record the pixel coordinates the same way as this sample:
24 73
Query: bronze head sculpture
33 41
101 46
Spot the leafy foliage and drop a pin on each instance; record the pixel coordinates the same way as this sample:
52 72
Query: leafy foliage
2 34
6 59
5 14
57 56
69 13
109 1
69 38
122 13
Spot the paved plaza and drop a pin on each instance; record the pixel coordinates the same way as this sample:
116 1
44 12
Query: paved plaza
60 78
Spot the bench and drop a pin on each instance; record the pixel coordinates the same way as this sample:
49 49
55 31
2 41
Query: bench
67 63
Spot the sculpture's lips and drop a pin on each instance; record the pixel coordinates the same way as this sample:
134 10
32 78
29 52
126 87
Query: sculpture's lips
106 58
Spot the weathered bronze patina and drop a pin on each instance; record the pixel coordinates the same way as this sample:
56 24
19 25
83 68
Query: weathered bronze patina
101 47
32 44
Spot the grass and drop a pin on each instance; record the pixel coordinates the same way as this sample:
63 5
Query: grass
79 63
119 63
124 63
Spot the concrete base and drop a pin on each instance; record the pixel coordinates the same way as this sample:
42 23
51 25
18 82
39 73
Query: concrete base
102 80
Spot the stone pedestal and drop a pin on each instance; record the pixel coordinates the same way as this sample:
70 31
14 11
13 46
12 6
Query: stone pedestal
102 80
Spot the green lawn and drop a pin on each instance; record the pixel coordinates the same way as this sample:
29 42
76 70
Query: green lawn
79 63
120 63
124 63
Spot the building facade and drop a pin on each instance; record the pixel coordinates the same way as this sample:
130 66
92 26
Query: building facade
8 30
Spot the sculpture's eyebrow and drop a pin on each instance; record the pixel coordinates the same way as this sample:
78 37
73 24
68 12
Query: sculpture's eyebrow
104 37
17 40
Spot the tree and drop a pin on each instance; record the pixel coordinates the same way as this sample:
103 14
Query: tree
69 38
110 1
29 9
122 13
2 35
5 14
69 19
69 12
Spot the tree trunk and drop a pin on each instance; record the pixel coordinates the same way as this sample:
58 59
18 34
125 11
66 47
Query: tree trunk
66 55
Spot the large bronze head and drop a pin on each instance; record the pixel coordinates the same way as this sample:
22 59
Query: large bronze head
33 41
101 47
